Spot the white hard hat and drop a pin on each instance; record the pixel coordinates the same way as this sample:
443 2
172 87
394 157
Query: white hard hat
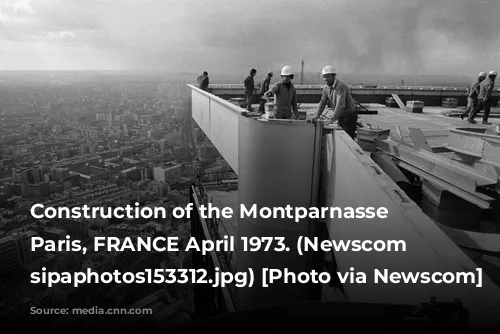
482 74
493 73
287 70
328 70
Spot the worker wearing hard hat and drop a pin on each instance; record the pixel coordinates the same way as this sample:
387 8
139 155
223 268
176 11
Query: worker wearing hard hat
264 87
484 98
285 95
338 96
249 88
472 94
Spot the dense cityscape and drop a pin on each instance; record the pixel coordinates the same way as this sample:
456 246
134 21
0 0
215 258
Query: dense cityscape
103 141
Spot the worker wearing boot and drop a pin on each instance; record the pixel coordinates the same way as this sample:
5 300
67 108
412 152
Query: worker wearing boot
264 87
484 98
473 94
338 96
249 88
285 96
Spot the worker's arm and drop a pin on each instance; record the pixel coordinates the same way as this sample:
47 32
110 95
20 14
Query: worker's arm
294 105
340 105
322 104
489 89
474 90
273 90
246 82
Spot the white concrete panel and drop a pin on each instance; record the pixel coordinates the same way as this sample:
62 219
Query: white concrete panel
224 125
201 110
353 182
219 120
276 169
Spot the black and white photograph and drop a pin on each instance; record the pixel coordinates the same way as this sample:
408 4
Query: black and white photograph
227 165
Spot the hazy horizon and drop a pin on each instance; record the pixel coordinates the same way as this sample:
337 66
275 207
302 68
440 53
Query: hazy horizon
443 37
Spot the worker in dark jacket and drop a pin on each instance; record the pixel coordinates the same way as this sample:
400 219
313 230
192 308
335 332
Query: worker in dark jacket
337 95
472 95
285 96
264 87
484 98
249 88
203 81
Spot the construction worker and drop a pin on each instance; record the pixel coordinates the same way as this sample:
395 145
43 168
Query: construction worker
285 96
203 81
484 98
264 87
249 88
472 95
338 96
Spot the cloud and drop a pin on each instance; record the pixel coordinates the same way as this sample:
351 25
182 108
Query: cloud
383 36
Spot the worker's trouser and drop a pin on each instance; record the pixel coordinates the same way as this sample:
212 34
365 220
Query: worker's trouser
348 123
471 105
262 104
249 100
480 106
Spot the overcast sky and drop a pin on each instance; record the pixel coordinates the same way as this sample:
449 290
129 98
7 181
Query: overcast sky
222 36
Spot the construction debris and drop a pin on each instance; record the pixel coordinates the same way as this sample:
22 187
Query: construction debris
416 107
460 184
465 181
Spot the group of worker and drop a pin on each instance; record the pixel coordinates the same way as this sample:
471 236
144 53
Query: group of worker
479 97
335 94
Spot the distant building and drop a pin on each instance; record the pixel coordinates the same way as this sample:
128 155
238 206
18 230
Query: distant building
169 173
8 255
52 233
159 187
15 250
23 245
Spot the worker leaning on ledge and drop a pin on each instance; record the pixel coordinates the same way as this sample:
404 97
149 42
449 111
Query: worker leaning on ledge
285 96
338 95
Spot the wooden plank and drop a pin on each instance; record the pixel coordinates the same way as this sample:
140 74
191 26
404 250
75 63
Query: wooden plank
466 178
399 102
471 171
435 132
398 130
418 138
466 143
462 151
491 152
458 167
482 166
439 149
488 242
399 141
477 133
384 161
443 198
478 199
